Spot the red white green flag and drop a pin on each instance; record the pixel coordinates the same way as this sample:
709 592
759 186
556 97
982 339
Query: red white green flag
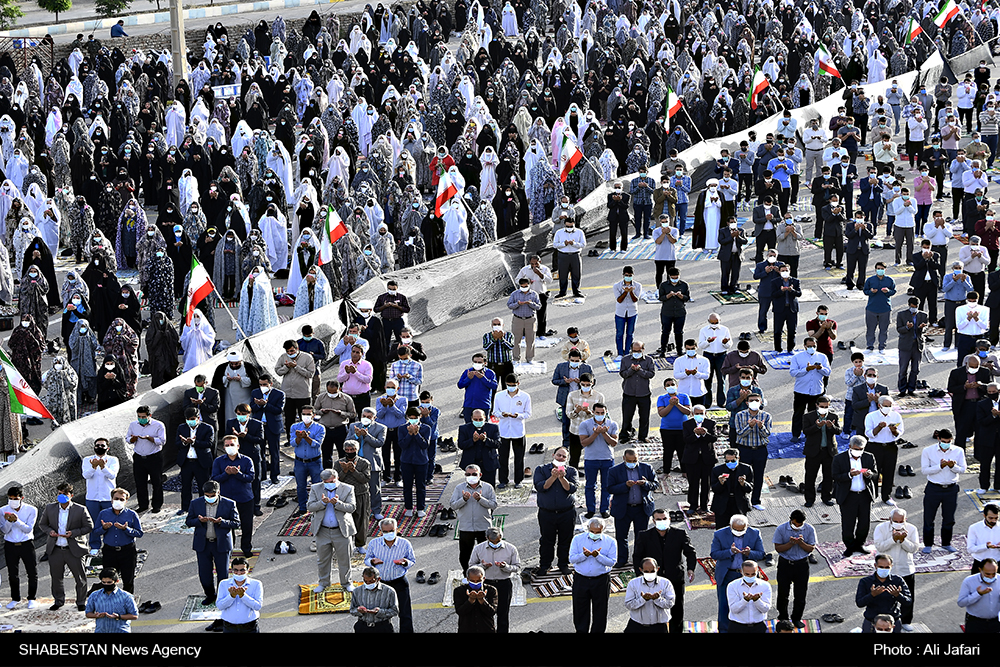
673 102
913 31
757 86
199 287
446 190
23 400
826 64
333 229
947 13
569 157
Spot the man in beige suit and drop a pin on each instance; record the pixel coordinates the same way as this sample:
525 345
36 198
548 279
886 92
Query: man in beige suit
67 525
332 503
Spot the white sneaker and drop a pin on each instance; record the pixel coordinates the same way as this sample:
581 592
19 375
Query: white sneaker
319 588
94 552
408 513
377 517
312 547
890 501
360 550
421 513
399 485
33 604
907 627
13 603
349 587
980 491
758 506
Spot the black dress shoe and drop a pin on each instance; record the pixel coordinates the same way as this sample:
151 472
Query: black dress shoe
898 495
809 504
152 608
829 503
909 471
144 606
208 601
906 493
81 607
434 578
57 606
421 579
564 569
258 511
812 559
901 471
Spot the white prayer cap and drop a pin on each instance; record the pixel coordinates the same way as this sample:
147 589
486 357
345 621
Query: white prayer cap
234 355
365 305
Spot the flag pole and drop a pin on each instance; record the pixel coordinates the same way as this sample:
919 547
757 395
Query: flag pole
236 322
693 124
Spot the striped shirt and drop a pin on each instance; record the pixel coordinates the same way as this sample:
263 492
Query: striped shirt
401 549
381 597
498 351
649 612
115 602
757 435
642 196
409 387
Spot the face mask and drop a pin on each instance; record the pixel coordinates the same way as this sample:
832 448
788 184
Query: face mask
371 586
945 446
674 281
884 410
330 486
307 419
512 389
472 480
989 580
690 353
390 391
14 504
477 367
880 272
25 324
983 355
366 421
698 418
192 422
559 464
671 390
242 418
600 418
754 405
739 533
413 421
785 274
119 329
389 537
883 572
594 536
109 367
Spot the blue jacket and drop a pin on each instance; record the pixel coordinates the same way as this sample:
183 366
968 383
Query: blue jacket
223 530
617 477
879 301
723 539
254 436
274 409
561 371
871 195
415 446
478 391
236 487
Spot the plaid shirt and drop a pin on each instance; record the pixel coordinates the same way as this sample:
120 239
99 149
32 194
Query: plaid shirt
642 196
408 387
753 436
498 351
392 312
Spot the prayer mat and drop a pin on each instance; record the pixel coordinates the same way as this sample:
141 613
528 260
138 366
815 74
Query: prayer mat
269 490
569 301
174 484
511 497
838 291
548 341
650 296
808 295
698 520
251 561
911 404
739 297
637 250
610 365
332 600
888 358
673 484
780 446
557 585
777 509
433 491
701 626
93 565
664 363
861 565
708 564
980 500
972 467
934 331
812 626
176 525
519 597
530 368
195 611
498 522
412 526
688 254
765 336
834 271
936 354
41 620
297 526
166 517
779 361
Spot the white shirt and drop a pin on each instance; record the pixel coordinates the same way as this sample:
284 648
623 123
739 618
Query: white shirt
972 327
517 404
901 552
239 609
23 527
873 419
743 611
904 214
979 535
716 346
930 464
938 235
977 263
814 139
63 520
831 155
692 385
575 235
540 285
858 481
627 307
100 481
970 182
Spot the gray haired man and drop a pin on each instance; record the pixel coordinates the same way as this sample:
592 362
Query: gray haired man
502 564
333 503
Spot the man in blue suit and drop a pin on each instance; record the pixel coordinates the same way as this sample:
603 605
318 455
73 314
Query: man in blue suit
214 519
785 293
730 547
478 441
250 432
195 442
566 376
235 474
268 405
631 484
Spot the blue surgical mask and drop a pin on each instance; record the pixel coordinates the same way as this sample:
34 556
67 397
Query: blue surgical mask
983 353
574 364
371 586
62 498
242 418
945 446
192 422
600 418
989 580
637 355
745 383
426 406
880 272
732 464
478 423
883 572
211 501
750 579
475 586
413 421
698 418
631 464
690 353
390 391
330 486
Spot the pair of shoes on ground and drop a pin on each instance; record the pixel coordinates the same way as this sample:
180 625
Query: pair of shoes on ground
433 579
902 493
149 607
32 604
905 471
604 515
536 448
440 530
447 513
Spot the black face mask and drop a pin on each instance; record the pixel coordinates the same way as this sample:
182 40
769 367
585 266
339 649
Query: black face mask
350 456
108 588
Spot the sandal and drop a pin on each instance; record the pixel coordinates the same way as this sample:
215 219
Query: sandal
434 578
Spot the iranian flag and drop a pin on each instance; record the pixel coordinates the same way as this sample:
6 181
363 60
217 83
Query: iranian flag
569 157
199 286
446 190
757 86
947 13
912 31
826 65
333 229
23 400
673 102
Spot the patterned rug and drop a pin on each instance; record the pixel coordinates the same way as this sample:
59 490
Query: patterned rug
297 526
910 404
194 611
778 507
740 297
530 368
267 491
812 626
766 337
841 292
780 446
549 341
412 526
888 358
835 272
93 565
708 564
41 620
701 626
861 565
154 523
673 484
519 596
511 497
498 522
394 494
555 584
173 484
251 561
779 361
697 520
569 301
661 364
808 295
333 600
980 500
935 354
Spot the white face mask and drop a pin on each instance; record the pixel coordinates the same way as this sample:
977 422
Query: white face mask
477 367
366 421
785 274
856 453
232 451
870 380
884 410
649 576
118 504
472 480
662 524
497 327
559 464
823 411
754 405
738 533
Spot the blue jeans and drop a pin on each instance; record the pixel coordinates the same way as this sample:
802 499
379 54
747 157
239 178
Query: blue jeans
923 210
756 458
642 214
682 214
848 416
624 330
592 468
95 507
312 470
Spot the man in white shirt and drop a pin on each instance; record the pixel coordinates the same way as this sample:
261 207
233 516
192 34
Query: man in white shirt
540 277
972 321
648 599
983 540
240 598
939 232
904 209
569 242
833 153
715 341
814 137
749 601
512 407
691 371
100 471
942 463
898 538
17 526
626 292
975 178
976 259
883 427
